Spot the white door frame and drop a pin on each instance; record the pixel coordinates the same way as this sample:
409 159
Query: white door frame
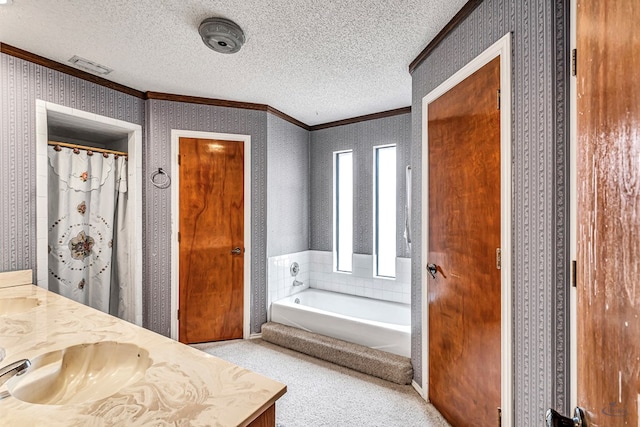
134 151
176 134
501 48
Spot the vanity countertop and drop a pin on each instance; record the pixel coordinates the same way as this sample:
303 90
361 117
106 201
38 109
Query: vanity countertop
182 386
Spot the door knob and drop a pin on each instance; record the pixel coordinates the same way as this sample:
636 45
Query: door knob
433 269
236 251
554 419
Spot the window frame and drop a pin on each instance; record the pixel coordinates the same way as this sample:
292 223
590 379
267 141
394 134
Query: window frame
376 233
336 210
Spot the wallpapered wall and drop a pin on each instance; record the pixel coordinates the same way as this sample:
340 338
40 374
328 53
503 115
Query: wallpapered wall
539 178
361 137
287 187
540 233
21 83
162 116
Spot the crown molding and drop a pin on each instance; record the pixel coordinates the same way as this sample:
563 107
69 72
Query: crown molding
451 25
374 116
67 69
63 68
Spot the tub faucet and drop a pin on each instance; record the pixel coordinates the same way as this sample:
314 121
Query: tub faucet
13 369
296 282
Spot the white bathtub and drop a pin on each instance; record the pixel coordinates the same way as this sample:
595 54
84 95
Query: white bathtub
373 323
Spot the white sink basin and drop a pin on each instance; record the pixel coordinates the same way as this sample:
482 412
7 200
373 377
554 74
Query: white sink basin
82 373
16 305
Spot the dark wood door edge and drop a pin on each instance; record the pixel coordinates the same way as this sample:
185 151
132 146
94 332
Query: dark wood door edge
451 25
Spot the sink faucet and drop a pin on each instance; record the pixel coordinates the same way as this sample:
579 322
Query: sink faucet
13 369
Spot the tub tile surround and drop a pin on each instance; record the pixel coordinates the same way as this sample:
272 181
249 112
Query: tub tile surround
361 281
182 384
280 281
316 271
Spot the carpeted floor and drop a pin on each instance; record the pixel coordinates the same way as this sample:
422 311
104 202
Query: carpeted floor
322 394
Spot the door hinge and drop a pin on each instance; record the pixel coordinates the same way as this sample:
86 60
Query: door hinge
498 258
499 417
574 62
498 99
574 273
179 158
178 237
178 315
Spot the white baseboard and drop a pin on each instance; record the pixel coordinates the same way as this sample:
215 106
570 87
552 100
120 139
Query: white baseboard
419 390
255 336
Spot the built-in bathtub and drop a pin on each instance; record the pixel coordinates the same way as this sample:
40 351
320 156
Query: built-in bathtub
382 325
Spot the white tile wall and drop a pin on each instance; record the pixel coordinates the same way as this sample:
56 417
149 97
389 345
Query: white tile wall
279 279
316 271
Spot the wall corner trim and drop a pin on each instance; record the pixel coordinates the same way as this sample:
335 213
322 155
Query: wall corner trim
288 118
451 25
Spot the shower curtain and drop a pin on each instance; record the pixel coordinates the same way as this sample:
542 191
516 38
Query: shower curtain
88 236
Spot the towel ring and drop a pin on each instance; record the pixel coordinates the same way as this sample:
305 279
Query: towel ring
163 182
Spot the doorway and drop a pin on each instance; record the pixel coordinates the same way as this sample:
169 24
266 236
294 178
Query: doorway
211 274
48 113
467 318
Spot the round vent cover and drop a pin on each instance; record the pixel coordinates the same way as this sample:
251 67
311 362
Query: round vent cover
221 35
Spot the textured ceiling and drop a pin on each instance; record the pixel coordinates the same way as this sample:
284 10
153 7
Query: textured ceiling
317 61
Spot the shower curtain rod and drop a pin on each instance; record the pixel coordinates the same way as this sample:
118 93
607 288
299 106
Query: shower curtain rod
83 147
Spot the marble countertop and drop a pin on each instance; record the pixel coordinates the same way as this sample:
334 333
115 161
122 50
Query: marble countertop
183 386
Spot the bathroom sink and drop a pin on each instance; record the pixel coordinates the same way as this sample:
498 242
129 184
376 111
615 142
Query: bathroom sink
17 305
81 373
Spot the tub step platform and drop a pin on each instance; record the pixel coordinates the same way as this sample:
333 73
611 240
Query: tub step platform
377 363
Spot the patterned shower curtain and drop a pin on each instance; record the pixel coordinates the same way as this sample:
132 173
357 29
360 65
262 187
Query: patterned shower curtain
88 242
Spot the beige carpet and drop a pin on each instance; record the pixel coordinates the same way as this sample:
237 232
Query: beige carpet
323 394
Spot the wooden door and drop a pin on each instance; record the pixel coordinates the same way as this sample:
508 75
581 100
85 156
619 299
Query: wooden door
211 240
464 234
608 229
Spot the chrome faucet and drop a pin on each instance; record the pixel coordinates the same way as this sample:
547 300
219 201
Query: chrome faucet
14 369
294 270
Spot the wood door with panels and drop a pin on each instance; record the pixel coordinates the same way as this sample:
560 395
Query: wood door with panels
464 289
211 240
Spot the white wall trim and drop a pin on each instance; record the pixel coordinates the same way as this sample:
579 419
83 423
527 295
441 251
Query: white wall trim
134 149
419 390
176 134
501 48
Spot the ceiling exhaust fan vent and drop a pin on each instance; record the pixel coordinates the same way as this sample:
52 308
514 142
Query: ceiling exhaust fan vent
221 35
90 66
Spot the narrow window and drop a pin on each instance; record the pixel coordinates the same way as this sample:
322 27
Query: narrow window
343 210
385 210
